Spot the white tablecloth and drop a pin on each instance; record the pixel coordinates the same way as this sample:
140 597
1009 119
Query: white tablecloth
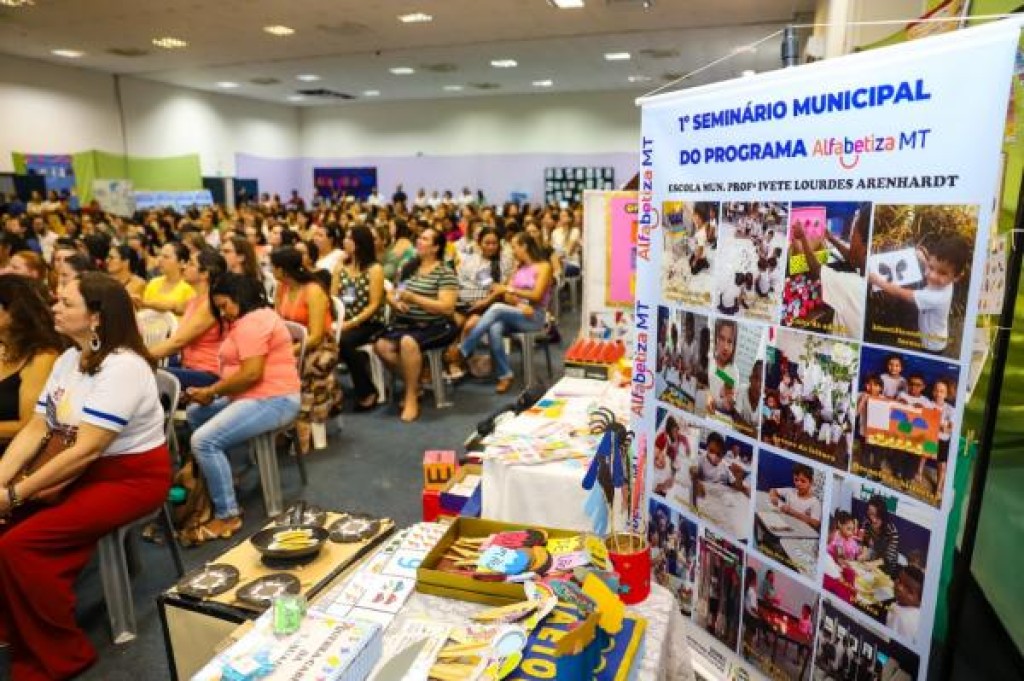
549 494
666 654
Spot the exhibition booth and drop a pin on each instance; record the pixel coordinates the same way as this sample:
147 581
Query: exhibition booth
756 464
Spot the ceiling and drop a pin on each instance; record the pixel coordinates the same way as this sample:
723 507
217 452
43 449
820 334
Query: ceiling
352 44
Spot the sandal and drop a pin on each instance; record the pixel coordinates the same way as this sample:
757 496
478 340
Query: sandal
194 536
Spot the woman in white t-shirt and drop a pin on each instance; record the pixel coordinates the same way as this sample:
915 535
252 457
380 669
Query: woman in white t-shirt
102 401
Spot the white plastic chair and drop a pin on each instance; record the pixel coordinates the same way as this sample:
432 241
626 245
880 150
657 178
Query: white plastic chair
113 559
263 449
156 327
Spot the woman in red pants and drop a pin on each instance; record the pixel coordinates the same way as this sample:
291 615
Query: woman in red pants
102 393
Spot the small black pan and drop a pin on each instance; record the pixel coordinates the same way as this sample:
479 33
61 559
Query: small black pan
263 539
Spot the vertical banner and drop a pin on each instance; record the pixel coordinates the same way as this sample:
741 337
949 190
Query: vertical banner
810 257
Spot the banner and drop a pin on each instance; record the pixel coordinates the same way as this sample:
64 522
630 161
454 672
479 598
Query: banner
810 255
609 287
357 182
114 196
56 168
180 201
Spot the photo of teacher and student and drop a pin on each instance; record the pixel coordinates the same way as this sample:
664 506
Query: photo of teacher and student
876 556
690 243
684 350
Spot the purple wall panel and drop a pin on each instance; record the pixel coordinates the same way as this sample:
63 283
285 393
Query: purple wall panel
496 174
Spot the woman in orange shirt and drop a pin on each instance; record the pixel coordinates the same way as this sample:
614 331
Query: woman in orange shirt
301 298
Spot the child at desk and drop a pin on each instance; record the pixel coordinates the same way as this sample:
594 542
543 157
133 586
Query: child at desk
799 501
712 468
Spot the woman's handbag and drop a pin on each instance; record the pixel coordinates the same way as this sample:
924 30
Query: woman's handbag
52 444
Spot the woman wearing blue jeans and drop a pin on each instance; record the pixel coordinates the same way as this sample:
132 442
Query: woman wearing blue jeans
522 310
258 392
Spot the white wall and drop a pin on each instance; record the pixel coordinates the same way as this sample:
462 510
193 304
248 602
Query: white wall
45 108
51 109
571 123
164 120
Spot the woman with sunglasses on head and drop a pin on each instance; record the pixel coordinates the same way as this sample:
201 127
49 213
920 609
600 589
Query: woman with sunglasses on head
102 406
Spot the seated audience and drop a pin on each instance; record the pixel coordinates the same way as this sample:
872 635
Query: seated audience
29 264
423 304
400 251
121 265
524 308
198 336
301 298
29 345
359 282
258 392
328 242
101 401
169 292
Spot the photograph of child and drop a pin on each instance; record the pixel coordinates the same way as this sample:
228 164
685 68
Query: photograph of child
691 238
676 444
849 650
779 618
919 271
617 325
876 555
684 349
825 286
721 483
905 412
788 511
718 588
749 266
673 540
809 396
735 374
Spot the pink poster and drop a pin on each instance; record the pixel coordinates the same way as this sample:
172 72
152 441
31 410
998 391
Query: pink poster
621 281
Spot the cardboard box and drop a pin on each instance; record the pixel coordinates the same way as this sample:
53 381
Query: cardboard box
452 500
439 466
430 580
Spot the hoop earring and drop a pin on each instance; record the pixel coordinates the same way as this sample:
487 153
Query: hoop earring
95 343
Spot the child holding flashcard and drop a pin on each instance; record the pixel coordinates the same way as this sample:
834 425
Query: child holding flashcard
722 377
942 265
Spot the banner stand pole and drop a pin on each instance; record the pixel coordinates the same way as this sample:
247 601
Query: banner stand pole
962 558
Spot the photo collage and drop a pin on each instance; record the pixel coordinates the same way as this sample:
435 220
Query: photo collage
808 396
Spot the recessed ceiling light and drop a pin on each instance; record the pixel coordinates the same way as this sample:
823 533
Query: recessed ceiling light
70 54
279 30
227 84
169 43
403 71
453 88
504 63
307 77
617 56
747 73
295 98
566 4
543 83
640 79
371 93
415 18
16 3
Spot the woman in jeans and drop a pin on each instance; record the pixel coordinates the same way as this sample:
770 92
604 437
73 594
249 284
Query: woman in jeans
525 302
258 392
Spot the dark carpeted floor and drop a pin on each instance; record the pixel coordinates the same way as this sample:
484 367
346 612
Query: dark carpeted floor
373 465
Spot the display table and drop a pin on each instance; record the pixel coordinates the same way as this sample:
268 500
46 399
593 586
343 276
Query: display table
548 494
665 655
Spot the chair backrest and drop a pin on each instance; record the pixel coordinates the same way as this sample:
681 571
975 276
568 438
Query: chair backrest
298 334
156 327
339 317
170 390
